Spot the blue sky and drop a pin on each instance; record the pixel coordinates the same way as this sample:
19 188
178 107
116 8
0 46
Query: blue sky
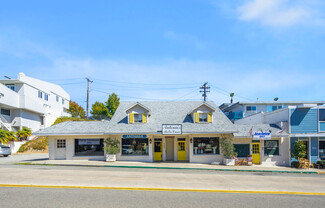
164 50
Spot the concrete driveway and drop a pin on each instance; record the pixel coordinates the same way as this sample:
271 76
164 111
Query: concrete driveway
21 158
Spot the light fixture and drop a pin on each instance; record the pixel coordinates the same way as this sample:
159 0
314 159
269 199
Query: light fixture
191 140
150 140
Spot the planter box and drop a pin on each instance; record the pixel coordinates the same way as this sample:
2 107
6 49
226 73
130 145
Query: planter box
228 161
110 158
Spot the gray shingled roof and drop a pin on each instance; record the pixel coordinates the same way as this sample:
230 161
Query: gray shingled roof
160 113
244 130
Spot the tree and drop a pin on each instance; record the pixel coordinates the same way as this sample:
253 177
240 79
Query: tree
112 103
24 133
11 136
76 110
227 148
231 97
65 118
299 150
99 110
3 138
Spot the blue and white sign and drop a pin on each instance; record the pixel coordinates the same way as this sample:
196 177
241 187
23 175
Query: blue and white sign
134 136
262 135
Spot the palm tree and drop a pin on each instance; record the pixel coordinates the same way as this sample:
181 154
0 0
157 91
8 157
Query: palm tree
11 136
231 96
24 133
3 138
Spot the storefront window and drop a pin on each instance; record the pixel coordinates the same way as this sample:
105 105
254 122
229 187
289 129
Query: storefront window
242 150
205 145
89 147
135 146
271 147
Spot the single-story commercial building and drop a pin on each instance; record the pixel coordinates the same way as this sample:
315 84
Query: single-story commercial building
162 131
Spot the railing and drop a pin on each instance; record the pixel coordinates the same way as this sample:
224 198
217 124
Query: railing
235 115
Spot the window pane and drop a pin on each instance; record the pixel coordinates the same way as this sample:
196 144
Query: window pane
321 114
248 108
322 150
271 147
206 145
5 112
274 108
203 117
135 146
242 150
253 108
138 118
89 147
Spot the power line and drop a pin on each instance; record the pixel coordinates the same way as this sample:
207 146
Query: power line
127 96
139 83
205 89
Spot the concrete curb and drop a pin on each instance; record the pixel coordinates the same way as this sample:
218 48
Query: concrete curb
177 168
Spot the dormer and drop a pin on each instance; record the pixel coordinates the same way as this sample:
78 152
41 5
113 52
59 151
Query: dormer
202 113
137 113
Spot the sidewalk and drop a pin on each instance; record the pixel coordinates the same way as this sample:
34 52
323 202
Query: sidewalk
176 165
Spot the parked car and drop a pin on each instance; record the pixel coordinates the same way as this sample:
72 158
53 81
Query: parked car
5 150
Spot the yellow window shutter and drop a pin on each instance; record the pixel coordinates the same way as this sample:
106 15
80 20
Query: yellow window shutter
131 118
197 118
144 118
209 117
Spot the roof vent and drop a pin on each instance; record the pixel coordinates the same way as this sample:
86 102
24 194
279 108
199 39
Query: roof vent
20 75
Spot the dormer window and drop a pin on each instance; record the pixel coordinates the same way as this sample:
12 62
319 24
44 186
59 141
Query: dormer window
203 117
137 118
137 113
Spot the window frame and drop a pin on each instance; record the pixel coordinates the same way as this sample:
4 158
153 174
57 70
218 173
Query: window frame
40 94
319 121
5 110
11 86
278 148
137 120
60 143
251 108
79 153
57 98
46 96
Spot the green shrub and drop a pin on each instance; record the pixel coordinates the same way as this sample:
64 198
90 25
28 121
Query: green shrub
112 146
299 150
295 164
227 148
39 144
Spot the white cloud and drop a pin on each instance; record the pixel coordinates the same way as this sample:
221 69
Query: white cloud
274 12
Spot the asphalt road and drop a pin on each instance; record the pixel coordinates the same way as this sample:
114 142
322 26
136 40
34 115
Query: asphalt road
43 197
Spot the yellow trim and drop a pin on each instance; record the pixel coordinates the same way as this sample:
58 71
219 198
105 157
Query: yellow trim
163 189
144 118
197 118
131 118
209 117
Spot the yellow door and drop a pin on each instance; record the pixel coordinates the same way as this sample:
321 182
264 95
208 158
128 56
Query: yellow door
181 150
158 151
256 153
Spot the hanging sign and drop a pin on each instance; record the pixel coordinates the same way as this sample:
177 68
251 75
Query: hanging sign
134 136
172 129
261 135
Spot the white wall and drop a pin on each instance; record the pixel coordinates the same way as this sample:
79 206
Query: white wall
253 119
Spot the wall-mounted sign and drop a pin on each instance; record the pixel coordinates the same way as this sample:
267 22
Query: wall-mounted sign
134 136
172 129
261 135
88 141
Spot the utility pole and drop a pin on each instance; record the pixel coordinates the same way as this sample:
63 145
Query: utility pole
205 89
88 80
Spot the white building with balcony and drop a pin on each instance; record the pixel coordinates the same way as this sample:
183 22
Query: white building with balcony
30 102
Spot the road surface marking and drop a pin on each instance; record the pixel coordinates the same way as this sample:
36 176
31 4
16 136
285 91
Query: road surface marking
162 189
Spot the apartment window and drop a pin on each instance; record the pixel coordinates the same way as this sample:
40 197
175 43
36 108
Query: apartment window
62 101
40 94
60 143
321 119
137 118
57 98
89 147
136 146
205 145
203 117
11 86
251 108
46 97
5 112
321 114
271 147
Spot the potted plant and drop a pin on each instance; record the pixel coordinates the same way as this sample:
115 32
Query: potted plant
299 150
111 148
228 151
